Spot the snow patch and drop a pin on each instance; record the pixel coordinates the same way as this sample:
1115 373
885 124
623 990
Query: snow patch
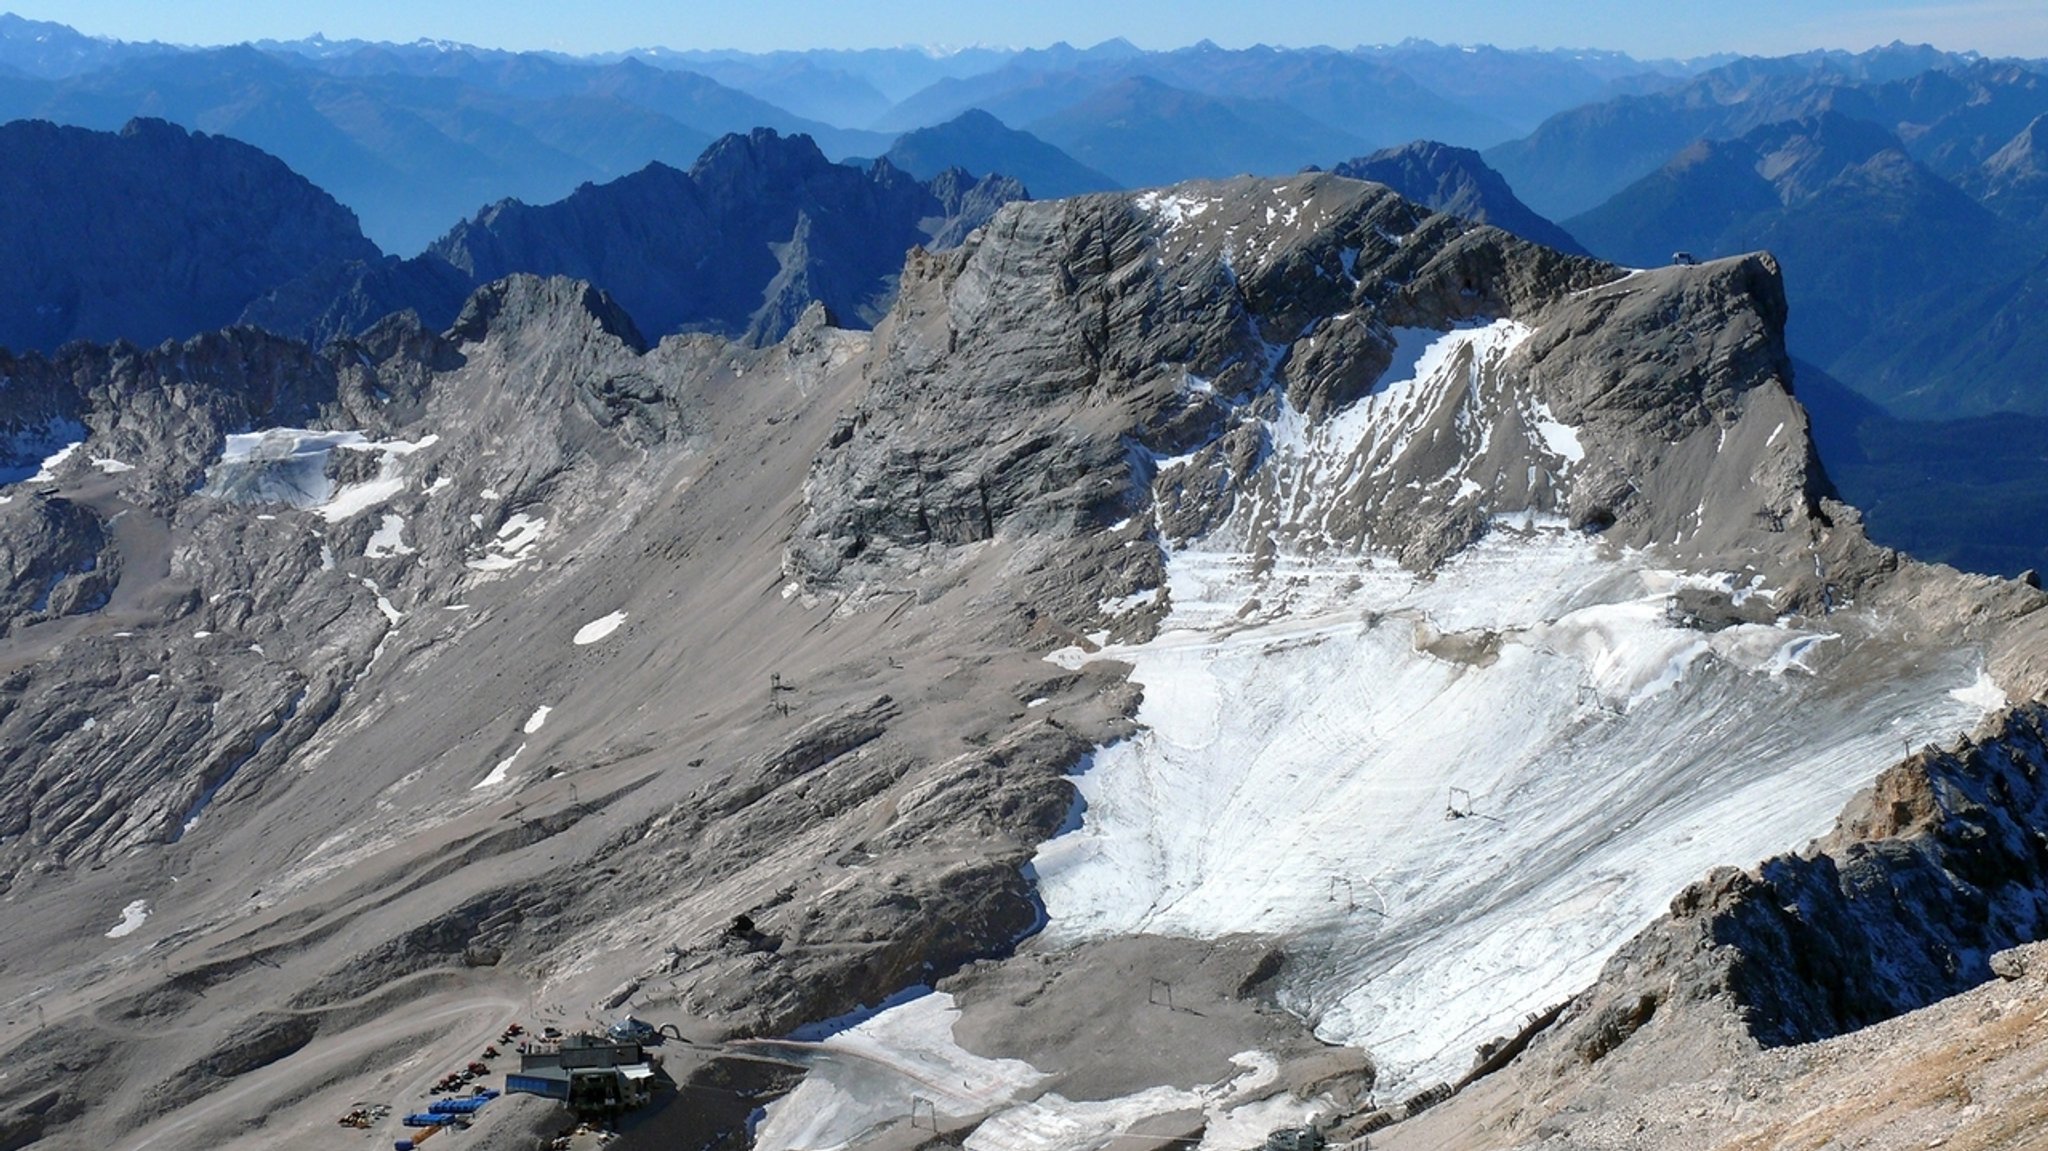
50 445
846 1094
1560 438
133 917
111 466
47 472
498 773
391 613
1174 209
599 628
388 539
538 719
861 1076
513 544
1984 694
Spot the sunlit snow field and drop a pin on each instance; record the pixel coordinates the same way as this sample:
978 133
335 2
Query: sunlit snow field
1451 797
1296 778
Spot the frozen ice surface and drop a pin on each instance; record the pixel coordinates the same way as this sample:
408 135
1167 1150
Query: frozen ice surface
289 466
1298 776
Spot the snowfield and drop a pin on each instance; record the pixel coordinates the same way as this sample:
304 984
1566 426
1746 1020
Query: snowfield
1451 796
133 917
866 1075
1459 795
289 466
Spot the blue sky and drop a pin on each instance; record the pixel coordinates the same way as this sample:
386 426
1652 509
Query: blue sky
1642 27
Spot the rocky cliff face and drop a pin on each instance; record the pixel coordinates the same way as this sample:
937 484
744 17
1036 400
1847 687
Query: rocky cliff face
151 233
1928 873
438 678
1159 322
760 227
1930 880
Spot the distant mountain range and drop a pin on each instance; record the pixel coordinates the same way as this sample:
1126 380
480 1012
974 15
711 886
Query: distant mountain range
981 144
412 136
151 233
1909 209
760 227
1904 189
155 233
1945 103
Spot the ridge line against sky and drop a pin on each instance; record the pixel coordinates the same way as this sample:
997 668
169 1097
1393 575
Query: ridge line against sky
1643 28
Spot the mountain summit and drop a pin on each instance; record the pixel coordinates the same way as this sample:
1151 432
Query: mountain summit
762 226
150 233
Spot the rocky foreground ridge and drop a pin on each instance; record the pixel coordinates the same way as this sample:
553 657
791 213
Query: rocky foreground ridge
363 698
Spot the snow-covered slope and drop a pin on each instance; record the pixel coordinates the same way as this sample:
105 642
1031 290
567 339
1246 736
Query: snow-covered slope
1459 791
1482 629
1458 794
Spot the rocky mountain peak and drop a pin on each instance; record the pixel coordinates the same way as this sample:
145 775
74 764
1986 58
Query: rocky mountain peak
1801 157
1458 181
759 227
760 158
151 233
545 308
1191 318
2023 161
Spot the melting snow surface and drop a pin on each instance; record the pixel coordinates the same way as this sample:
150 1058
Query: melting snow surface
289 466
1298 776
599 628
1312 462
514 543
851 1088
861 1079
47 473
499 772
133 917
388 539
